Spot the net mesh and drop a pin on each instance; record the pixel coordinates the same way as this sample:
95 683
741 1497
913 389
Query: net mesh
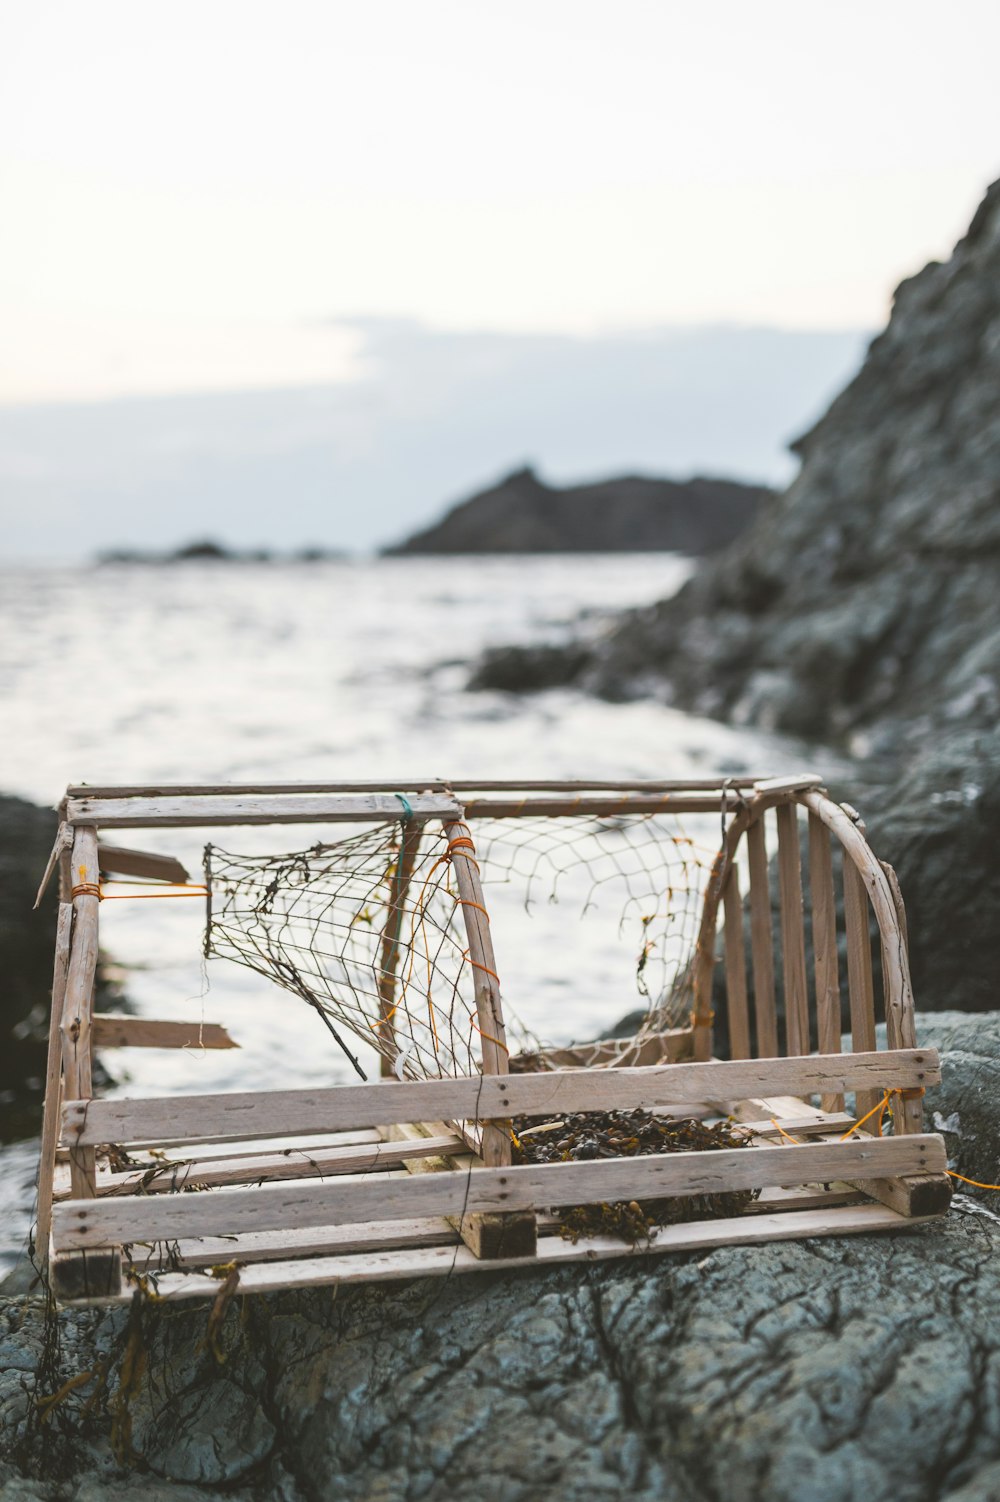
370 929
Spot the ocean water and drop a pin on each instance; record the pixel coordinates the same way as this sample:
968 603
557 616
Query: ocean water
354 670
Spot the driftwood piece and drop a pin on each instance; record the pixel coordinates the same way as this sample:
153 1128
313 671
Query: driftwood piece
112 1031
141 863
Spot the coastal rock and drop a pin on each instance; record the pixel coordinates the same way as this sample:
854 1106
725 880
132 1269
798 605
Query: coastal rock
27 941
867 1366
522 514
866 593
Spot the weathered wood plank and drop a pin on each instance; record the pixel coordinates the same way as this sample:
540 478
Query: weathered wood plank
413 785
791 783
141 863
762 943
736 970
444 1261
332 808
263 1168
81 1224
111 1031
78 998
172 1119
308 1241
824 931
793 944
53 1085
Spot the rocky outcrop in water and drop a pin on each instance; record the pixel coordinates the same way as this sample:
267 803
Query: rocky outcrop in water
628 515
825 1368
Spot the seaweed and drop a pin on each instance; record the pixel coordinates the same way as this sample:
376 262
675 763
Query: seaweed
627 1134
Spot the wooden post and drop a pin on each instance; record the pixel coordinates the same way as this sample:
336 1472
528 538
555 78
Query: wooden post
53 1081
762 943
78 998
488 1235
824 931
736 970
793 948
389 956
489 1012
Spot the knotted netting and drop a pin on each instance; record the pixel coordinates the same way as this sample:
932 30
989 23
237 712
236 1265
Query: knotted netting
588 915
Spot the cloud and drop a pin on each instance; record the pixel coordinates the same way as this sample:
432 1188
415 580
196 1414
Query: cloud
428 416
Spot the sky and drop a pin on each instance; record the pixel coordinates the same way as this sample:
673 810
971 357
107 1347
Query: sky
229 197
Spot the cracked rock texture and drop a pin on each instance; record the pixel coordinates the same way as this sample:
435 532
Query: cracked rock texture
827 1369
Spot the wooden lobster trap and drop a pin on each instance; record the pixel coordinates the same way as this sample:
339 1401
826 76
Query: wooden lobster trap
396 927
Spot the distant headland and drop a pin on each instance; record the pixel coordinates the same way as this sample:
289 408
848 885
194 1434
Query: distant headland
207 550
628 514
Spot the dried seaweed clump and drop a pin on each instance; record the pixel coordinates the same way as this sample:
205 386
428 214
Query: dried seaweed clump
628 1134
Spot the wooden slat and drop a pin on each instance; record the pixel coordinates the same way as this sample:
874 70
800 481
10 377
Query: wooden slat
799 1126
141 863
294 1163
860 981
176 813
607 805
426 1261
112 1031
78 999
53 1084
413 785
205 1118
793 944
80 1224
795 782
307 1241
898 989
824 931
762 943
736 971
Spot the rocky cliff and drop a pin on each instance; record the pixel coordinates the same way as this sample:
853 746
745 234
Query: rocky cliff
631 514
868 591
863 608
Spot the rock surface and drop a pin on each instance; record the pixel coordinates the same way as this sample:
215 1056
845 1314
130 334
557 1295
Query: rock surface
867 1366
27 941
630 514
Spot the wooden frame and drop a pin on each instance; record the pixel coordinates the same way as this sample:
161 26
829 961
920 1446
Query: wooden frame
386 1184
